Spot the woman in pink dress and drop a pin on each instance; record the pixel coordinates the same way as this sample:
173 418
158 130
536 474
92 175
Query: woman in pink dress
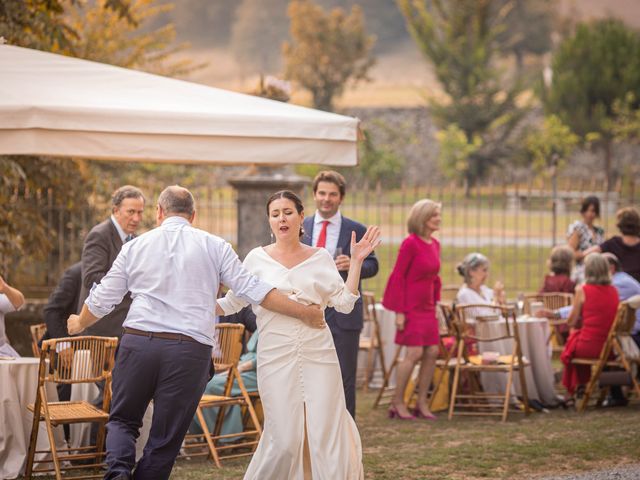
412 292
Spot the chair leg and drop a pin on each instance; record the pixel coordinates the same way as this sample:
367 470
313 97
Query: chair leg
589 390
507 395
207 436
52 440
368 373
100 443
34 436
456 379
387 377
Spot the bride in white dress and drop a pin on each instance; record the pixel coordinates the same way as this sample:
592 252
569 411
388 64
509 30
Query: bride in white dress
308 432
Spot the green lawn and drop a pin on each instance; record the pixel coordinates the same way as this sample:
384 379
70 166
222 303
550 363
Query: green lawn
474 448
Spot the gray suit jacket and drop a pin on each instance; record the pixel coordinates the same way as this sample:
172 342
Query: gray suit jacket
101 247
353 320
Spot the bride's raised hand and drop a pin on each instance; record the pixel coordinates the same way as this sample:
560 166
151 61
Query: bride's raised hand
367 244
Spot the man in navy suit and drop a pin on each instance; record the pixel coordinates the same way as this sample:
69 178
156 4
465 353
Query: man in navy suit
329 229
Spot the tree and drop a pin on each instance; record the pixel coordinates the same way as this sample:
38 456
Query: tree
549 146
460 39
593 70
528 28
41 24
328 51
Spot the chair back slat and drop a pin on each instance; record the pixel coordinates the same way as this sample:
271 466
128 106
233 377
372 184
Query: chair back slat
486 323
550 301
37 332
446 319
84 359
228 345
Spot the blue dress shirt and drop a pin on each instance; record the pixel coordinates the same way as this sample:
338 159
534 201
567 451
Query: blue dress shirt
173 273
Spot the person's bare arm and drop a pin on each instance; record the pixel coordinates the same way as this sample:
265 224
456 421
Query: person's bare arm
277 302
359 252
14 295
78 323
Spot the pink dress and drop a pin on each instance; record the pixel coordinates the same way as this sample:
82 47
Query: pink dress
413 289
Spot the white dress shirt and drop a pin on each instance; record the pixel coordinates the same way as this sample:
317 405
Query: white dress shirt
173 273
333 231
5 307
123 236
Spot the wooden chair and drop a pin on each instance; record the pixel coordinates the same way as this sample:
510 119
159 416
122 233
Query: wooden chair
372 343
485 324
91 360
225 359
551 301
37 332
615 353
446 327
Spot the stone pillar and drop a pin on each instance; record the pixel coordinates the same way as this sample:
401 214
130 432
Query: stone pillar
253 192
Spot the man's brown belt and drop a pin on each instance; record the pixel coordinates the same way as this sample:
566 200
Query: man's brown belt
164 335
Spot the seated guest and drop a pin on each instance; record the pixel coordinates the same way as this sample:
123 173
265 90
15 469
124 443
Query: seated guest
560 263
475 270
596 302
627 287
247 367
11 300
626 247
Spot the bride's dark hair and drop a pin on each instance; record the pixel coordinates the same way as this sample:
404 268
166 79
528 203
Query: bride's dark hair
289 195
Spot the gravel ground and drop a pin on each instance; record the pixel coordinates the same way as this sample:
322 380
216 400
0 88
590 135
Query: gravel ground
627 472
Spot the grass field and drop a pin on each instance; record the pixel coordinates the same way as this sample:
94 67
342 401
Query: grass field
559 442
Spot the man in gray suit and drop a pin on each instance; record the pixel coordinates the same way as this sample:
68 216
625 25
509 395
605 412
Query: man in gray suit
329 229
101 247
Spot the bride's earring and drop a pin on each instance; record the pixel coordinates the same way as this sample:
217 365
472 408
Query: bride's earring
273 237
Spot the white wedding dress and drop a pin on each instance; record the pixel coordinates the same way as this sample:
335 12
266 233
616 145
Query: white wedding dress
299 377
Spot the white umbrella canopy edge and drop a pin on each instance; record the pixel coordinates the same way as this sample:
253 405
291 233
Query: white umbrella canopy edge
56 105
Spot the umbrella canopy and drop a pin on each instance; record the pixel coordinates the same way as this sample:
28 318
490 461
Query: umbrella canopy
56 105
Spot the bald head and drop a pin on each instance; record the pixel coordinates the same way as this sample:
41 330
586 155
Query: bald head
176 200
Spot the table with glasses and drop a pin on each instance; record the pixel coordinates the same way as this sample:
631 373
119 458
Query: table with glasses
18 385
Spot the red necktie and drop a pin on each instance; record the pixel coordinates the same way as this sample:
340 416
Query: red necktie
322 238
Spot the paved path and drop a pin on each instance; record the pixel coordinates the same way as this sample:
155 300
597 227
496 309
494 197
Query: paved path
626 472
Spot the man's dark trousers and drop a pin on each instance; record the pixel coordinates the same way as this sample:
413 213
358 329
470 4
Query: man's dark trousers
174 374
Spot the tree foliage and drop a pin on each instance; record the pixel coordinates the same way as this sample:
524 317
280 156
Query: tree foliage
41 24
327 51
593 71
460 39
550 145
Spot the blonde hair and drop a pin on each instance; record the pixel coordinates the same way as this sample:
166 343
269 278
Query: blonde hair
596 270
419 215
561 260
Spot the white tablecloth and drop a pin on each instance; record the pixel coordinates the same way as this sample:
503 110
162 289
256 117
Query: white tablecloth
533 338
18 385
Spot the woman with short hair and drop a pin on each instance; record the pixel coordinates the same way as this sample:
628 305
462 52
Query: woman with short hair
412 292
594 308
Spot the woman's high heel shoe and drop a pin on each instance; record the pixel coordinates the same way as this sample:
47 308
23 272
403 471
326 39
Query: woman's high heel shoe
421 415
393 413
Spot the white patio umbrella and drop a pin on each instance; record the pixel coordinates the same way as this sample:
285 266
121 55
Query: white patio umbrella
56 105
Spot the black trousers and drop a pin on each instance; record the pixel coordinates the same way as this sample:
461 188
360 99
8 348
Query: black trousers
347 343
174 375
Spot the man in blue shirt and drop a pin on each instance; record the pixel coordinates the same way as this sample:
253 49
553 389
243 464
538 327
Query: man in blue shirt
627 287
173 273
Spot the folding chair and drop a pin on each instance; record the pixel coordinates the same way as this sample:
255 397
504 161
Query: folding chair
619 351
485 324
225 359
551 301
372 343
37 332
89 360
